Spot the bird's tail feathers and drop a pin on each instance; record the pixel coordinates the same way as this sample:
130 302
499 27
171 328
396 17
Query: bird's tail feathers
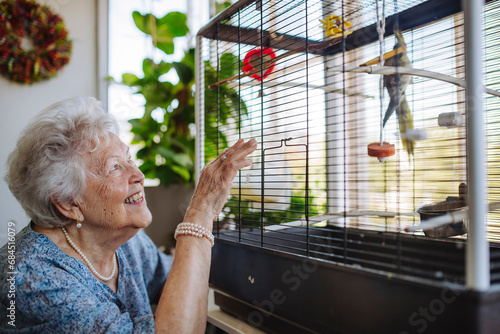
399 37
405 123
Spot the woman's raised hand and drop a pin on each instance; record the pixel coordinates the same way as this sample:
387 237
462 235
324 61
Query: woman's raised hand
215 183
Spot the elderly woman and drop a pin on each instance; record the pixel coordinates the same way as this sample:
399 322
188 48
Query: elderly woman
82 264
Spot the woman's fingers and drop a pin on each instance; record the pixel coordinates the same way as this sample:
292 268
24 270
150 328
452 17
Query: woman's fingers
238 151
217 177
235 159
246 148
224 154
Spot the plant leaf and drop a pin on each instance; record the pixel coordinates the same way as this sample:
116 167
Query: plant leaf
129 79
237 103
166 47
181 171
168 27
175 23
148 67
230 65
143 22
163 68
184 72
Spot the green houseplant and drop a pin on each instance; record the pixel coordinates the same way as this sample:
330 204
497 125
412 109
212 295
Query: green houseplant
167 151
167 142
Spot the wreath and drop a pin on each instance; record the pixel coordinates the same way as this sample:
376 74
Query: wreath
25 19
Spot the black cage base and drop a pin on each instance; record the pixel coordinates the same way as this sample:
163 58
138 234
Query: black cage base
282 292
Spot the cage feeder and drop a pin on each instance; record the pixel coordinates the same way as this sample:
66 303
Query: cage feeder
441 208
451 119
450 205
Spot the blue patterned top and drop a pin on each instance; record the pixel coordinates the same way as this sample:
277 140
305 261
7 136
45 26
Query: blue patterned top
53 292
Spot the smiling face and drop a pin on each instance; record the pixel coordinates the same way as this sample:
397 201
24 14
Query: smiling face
114 197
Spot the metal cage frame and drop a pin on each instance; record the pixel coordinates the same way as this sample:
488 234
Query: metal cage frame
476 287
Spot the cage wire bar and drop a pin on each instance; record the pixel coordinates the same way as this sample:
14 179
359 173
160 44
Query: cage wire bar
266 69
198 115
477 256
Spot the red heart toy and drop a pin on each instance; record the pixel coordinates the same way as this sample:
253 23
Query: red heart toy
253 60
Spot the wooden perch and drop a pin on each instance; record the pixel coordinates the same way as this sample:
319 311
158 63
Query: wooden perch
449 218
385 70
386 56
319 218
292 68
328 89
312 47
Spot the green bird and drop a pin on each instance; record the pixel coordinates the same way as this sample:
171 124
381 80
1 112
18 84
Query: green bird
396 85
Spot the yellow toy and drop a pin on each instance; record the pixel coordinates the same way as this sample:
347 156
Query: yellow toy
334 25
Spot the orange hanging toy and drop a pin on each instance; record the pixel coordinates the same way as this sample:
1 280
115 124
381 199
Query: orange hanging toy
381 152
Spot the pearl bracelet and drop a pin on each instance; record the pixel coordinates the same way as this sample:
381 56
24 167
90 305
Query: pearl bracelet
194 230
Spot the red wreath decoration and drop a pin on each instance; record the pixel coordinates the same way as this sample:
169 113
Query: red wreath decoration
252 62
52 49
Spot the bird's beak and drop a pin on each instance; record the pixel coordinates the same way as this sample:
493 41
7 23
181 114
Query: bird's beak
386 56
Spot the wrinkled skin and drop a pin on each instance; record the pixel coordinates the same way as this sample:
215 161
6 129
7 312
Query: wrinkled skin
114 177
215 183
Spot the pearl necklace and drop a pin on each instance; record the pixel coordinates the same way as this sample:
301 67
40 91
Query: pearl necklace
91 267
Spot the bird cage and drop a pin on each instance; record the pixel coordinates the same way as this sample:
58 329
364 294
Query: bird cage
371 204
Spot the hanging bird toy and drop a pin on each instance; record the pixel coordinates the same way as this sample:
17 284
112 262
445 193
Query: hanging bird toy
257 58
382 152
335 26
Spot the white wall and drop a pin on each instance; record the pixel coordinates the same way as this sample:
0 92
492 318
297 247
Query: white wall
18 103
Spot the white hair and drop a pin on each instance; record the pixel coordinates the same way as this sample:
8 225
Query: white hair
48 158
